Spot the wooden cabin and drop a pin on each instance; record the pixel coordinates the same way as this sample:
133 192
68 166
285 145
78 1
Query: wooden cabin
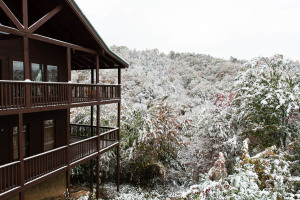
41 42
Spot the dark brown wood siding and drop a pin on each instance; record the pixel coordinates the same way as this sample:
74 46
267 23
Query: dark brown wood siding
6 145
34 122
40 52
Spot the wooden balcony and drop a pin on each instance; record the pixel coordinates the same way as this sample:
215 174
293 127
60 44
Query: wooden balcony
45 165
22 96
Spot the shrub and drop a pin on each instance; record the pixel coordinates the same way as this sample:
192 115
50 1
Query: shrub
150 144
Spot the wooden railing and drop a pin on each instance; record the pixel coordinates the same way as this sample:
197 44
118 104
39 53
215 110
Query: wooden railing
41 164
48 94
12 95
108 92
9 176
82 130
27 94
83 148
83 93
108 138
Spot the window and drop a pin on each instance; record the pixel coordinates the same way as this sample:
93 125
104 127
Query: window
49 135
37 72
18 71
16 142
52 73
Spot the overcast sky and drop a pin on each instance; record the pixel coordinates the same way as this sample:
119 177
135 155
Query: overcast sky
222 28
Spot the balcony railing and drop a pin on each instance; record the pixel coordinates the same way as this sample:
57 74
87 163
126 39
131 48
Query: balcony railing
16 95
9 176
82 148
41 164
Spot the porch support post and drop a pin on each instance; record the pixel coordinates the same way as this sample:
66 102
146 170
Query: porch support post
68 182
69 74
98 150
27 70
98 128
92 134
27 92
25 13
119 120
21 154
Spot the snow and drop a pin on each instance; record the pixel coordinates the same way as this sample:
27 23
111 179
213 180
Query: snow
211 115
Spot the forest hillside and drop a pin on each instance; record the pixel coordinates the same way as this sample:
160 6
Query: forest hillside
198 127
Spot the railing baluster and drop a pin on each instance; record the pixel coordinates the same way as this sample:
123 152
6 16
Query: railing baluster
12 93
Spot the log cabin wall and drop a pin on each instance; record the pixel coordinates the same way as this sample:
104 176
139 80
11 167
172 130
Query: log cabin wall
34 123
40 53
6 124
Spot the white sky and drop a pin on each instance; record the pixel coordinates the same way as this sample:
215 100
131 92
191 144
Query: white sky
221 28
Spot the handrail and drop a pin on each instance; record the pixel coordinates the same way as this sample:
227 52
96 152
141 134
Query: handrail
9 164
105 133
33 94
63 83
90 138
44 153
86 125
84 140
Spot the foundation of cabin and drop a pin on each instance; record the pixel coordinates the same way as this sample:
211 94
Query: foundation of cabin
50 189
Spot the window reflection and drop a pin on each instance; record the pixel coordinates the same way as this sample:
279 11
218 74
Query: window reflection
52 73
16 142
18 71
37 72
49 135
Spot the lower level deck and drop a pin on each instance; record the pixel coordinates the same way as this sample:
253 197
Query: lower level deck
40 167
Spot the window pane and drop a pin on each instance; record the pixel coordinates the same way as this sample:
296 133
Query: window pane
52 73
16 142
37 72
18 71
49 135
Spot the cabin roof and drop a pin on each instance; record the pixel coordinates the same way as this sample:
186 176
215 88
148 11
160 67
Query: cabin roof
99 39
67 24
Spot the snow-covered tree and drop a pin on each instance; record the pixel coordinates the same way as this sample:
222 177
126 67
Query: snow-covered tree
267 98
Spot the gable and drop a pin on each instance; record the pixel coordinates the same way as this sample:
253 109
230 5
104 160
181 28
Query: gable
61 20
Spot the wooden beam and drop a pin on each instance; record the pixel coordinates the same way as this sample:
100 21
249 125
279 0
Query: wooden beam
25 13
97 69
21 154
80 62
119 126
69 63
118 168
26 58
27 72
98 126
98 150
88 60
45 18
7 29
107 60
68 172
119 76
60 43
11 16
41 38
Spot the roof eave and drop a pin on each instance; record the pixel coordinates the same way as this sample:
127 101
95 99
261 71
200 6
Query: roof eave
98 38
